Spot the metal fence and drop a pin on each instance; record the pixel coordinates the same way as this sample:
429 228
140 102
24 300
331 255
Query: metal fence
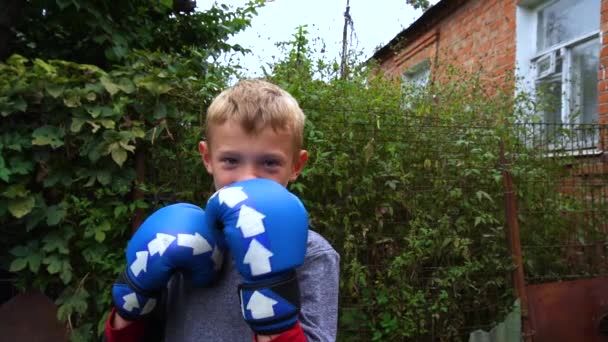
560 180
578 151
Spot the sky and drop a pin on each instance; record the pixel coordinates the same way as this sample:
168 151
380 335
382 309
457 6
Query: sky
376 22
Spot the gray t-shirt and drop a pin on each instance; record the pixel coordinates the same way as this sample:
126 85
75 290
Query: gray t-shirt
214 313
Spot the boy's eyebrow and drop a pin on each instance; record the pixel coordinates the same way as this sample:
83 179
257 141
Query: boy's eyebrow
272 155
276 155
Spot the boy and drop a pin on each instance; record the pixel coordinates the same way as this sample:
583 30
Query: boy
253 130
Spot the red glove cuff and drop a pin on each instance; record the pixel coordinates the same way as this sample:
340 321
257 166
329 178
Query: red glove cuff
135 332
131 333
295 334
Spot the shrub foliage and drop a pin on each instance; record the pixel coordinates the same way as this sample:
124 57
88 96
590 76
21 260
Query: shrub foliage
406 183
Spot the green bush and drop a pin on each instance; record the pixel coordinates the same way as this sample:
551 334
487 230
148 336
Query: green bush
407 183
68 137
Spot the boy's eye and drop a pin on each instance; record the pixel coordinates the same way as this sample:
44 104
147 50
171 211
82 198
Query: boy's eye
229 161
270 163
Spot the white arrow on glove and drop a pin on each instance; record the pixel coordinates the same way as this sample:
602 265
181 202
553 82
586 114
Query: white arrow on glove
232 196
160 243
131 302
261 306
198 243
140 263
258 258
250 221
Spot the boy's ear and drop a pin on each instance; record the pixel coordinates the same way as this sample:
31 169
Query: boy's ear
299 165
203 149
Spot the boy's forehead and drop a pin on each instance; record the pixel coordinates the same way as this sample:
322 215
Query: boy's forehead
233 138
234 127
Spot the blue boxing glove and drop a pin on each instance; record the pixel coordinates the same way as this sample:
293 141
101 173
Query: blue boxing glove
266 229
174 238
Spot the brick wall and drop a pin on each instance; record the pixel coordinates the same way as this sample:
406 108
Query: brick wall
478 35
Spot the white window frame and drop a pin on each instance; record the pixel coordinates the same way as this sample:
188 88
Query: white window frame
410 74
408 77
527 58
565 51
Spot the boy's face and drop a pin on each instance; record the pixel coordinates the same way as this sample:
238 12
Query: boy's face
232 155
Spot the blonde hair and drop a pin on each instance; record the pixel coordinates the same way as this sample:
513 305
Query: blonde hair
255 105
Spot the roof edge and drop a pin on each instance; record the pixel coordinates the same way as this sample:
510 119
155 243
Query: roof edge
436 12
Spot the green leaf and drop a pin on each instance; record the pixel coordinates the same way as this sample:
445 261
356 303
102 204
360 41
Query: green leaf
104 177
83 333
54 264
100 236
107 123
119 155
71 302
35 217
155 87
4 172
100 230
55 214
21 206
18 265
119 210
56 176
96 254
91 96
48 135
76 125
29 254
100 111
34 260
138 132
16 142
478 220
20 104
20 166
49 69
66 273
110 86
72 100
54 89
16 191
160 111
126 85
167 3
19 251
119 50
126 146
95 88
56 242
93 154
419 4
482 194
17 60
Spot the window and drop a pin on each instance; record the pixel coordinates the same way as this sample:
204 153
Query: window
418 76
558 48
413 84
